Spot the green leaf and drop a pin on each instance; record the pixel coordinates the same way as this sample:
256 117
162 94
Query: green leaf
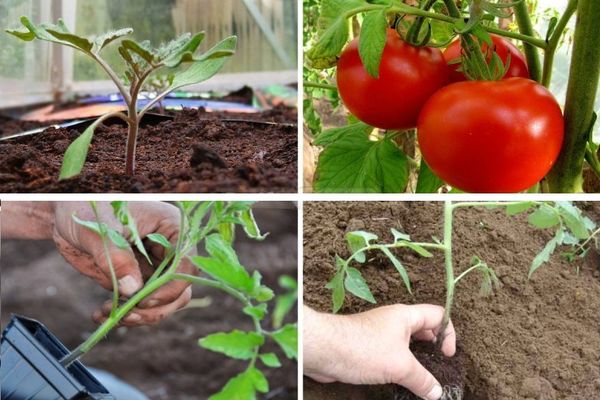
283 305
250 226
373 35
287 282
103 40
544 217
203 69
139 49
399 267
573 219
358 240
354 164
227 231
122 213
56 33
356 285
336 284
235 344
270 360
220 249
160 239
240 387
399 236
183 52
332 135
418 249
76 153
544 255
117 239
287 339
428 182
514 209
91 225
233 275
258 311
258 379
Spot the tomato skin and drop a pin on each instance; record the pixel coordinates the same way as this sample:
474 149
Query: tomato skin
491 137
408 76
518 64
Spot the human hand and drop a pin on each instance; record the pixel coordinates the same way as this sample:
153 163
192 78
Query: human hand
84 250
373 347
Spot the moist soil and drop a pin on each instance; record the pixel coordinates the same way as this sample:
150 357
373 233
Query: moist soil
196 152
531 339
163 360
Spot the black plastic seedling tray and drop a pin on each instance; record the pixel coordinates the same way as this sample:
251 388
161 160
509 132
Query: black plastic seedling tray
30 368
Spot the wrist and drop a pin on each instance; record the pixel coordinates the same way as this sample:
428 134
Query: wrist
27 219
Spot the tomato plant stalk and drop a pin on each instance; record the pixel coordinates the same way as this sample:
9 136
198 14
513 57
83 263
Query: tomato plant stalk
566 176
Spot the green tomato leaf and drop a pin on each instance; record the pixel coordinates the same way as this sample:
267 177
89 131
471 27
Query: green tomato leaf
283 305
287 339
76 153
160 239
183 51
428 182
56 33
354 164
514 209
544 217
332 135
398 236
355 283
573 219
336 284
258 379
235 344
270 360
233 274
399 267
358 240
546 253
250 226
103 40
373 34
141 50
418 249
258 311
220 249
117 239
91 225
240 387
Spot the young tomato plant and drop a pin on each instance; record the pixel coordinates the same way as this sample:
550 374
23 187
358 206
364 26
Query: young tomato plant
212 224
572 229
377 152
177 59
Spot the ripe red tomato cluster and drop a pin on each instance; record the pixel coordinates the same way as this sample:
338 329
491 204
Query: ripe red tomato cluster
478 136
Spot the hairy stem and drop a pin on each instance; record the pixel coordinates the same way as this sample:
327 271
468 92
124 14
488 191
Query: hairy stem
554 40
448 211
113 76
526 28
566 175
319 85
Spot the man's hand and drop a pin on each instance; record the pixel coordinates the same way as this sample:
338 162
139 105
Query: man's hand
84 250
373 347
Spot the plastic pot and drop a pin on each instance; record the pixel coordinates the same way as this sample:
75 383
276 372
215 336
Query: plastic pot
30 369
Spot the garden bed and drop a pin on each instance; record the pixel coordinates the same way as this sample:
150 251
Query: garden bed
196 152
537 339
163 361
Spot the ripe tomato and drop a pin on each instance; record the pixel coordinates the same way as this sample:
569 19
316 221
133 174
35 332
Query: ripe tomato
491 137
408 76
502 46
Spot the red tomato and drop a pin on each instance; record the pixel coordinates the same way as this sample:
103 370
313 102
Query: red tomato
502 46
408 76
491 137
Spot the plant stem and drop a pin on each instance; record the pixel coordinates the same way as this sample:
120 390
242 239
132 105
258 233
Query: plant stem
319 85
413 33
553 42
593 161
131 145
448 210
566 175
526 28
113 76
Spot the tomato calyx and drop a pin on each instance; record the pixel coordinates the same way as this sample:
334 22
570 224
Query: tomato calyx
480 65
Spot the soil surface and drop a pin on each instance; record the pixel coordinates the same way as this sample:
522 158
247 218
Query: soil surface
196 152
532 339
164 360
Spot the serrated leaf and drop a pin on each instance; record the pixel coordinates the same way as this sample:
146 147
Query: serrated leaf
544 217
220 249
573 219
103 40
546 253
514 209
356 284
76 153
373 35
258 311
160 239
399 267
233 275
358 240
336 284
250 226
56 33
287 339
176 57
354 164
240 387
270 360
139 49
258 379
330 136
428 182
235 344
122 213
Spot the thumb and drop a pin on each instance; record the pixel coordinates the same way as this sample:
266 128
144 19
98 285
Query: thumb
420 381
125 265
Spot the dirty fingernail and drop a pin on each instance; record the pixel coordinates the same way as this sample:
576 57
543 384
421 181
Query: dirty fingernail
128 285
132 317
435 393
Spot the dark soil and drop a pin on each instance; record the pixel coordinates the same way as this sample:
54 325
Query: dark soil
164 360
532 339
253 157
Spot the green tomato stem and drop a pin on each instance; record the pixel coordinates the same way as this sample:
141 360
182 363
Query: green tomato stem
593 161
319 85
566 175
450 283
554 40
526 28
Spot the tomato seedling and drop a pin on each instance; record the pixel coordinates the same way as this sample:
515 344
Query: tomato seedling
177 57
211 223
572 229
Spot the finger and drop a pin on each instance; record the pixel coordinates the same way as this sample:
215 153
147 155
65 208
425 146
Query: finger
429 317
420 381
125 266
172 290
154 315
425 336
